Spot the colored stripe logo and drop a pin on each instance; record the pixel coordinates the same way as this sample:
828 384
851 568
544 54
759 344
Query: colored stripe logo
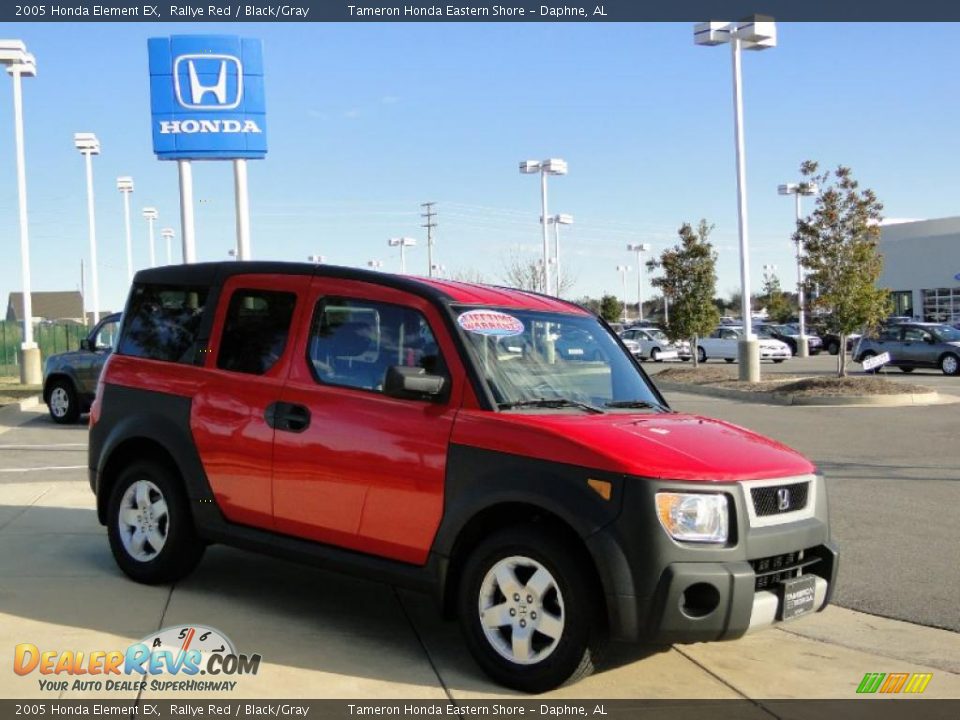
893 683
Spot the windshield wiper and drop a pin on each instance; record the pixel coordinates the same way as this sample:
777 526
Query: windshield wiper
633 404
550 403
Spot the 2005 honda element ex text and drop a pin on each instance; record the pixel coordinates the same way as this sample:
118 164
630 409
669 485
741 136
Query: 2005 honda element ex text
429 434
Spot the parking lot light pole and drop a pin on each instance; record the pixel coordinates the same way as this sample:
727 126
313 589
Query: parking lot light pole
639 249
125 186
623 270
403 243
89 145
798 190
20 64
437 270
551 166
756 33
558 220
168 234
150 214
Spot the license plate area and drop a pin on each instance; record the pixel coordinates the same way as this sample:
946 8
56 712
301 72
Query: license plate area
797 596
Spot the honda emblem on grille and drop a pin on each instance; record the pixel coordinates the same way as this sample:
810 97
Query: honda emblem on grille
783 499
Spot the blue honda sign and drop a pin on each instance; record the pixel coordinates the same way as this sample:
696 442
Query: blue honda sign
206 97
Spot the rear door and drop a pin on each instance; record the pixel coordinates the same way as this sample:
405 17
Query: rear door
247 363
367 470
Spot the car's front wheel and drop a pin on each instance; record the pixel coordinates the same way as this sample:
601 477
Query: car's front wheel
701 355
950 364
149 525
833 347
655 354
527 610
62 402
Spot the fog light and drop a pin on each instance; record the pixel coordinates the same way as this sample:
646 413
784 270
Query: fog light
699 600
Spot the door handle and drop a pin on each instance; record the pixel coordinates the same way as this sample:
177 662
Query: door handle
288 417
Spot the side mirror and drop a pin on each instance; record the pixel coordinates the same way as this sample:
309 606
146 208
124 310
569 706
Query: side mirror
85 344
412 383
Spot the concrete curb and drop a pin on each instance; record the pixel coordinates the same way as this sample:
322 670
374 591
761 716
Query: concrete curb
778 398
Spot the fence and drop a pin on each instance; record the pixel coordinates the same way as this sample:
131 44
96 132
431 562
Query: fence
52 338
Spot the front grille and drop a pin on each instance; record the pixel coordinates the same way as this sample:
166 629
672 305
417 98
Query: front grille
777 568
768 500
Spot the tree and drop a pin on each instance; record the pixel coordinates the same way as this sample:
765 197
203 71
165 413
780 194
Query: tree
779 308
591 304
839 240
690 279
525 273
469 275
611 309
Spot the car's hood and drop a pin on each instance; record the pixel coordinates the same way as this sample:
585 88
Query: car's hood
670 446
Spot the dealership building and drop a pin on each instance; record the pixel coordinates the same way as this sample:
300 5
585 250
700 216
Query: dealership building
922 268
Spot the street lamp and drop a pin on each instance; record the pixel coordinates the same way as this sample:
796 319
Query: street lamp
639 249
756 33
317 259
375 264
89 145
403 243
797 190
125 186
168 235
623 270
551 166
20 64
558 220
150 213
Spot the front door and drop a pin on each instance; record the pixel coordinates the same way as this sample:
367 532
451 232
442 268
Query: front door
916 347
367 471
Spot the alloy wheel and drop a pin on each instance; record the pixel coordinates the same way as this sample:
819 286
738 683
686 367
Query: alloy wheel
59 402
144 521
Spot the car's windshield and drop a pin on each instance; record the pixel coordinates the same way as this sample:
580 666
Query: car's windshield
945 333
764 333
528 356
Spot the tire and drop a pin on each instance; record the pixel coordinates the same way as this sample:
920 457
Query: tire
833 347
63 404
685 359
729 360
177 549
778 360
531 556
655 355
701 355
950 364
906 369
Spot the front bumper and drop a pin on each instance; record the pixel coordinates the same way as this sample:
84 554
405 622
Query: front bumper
659 590
775 354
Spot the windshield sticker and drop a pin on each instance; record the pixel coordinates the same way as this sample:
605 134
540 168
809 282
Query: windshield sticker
490 322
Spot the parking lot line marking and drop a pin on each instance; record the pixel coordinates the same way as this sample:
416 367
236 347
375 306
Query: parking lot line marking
48 467
43 447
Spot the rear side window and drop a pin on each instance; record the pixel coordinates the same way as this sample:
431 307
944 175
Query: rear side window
353 343
162 323
255 331
892 333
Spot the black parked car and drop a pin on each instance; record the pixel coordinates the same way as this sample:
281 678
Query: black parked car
70 378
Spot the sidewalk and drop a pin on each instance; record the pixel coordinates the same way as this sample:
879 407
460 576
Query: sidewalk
327 636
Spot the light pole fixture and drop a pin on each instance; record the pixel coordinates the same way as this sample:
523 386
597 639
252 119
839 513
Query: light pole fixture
639 249
150 214
317 259
623 270
758 32
89 145
403 243
551 166
437 270
125 186
375 264
798 190
558 220
168 234
20 64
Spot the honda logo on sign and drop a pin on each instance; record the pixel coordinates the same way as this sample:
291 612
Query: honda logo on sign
213 82
783 499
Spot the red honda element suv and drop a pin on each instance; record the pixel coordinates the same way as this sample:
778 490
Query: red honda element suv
498 449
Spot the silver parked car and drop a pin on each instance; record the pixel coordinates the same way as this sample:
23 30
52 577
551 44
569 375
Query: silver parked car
651 342
914 345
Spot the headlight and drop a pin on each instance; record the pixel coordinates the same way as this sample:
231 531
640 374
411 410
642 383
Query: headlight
693 518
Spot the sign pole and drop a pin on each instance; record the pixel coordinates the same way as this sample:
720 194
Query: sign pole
186 211
243 208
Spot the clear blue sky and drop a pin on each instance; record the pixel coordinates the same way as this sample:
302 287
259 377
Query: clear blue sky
368 120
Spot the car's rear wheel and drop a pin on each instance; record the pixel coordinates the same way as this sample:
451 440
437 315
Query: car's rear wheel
149 525
866 356
701 355
779 360
62 402
527 610
833 347
729 360
950 364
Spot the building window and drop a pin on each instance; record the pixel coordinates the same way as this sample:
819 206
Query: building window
902 303
941 305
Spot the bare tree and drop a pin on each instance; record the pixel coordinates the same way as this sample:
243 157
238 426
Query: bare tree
525 273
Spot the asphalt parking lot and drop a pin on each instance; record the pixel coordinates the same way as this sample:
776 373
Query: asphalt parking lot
324 635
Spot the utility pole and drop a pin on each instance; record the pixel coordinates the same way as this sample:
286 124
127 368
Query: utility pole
429 215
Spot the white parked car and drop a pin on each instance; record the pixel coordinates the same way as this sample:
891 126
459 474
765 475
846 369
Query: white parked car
653 344
723 342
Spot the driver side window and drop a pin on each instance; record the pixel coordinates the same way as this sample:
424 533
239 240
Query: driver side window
106 335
